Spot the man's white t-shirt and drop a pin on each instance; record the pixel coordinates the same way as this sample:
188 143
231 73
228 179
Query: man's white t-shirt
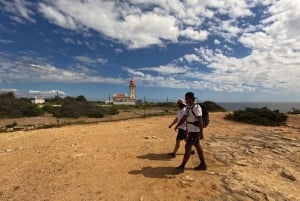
192 118
180 114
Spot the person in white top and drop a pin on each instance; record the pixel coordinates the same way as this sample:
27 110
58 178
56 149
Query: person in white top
182 135
193 117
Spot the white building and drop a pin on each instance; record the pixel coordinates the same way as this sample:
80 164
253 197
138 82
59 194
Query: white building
37 100
124 99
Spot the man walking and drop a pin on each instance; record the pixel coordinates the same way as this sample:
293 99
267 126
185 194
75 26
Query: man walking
181 128
193 117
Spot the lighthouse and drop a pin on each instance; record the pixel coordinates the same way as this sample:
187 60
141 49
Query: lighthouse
132 95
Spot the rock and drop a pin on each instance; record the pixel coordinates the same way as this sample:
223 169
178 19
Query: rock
288 175
77 155
151 137
8 150
9 129
141 198
269 157
276 151
241 163
188 178
289 138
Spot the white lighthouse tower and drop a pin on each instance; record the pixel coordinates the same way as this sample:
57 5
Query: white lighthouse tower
132 95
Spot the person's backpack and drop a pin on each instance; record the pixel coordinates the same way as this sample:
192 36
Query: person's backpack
205 114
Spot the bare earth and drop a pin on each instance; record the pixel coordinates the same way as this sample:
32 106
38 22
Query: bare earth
127 160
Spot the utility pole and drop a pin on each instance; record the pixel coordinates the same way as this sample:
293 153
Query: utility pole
144 106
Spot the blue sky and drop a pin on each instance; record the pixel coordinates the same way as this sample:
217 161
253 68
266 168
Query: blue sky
233 50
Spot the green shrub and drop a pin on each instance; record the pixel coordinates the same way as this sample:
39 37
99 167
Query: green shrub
32 111
258 116
294 111
73 109
79 108
11 125
50 109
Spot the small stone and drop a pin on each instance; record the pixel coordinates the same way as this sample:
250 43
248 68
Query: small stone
242 163
147 137
188 178
289 138
77 155
8 150
141 198
288 175
16 188
10 129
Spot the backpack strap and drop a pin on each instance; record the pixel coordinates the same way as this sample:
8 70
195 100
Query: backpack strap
192 108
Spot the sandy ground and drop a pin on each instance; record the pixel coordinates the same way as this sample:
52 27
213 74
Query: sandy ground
127 160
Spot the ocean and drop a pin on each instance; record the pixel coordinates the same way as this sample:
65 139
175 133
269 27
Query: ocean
281 106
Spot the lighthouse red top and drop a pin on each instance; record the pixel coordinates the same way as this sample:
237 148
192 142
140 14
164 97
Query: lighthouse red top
132 82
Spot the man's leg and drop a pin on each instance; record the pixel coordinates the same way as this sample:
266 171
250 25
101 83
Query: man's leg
177 145
187 154
202 165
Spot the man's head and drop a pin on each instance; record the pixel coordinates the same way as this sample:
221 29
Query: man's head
181 103
190 98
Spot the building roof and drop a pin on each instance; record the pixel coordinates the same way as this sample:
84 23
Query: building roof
120 95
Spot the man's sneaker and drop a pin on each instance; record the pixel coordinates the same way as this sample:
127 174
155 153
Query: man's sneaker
202 166
172 155
192 152
179 169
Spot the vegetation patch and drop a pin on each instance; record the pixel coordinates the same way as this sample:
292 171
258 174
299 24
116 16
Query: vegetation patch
258 116
294 111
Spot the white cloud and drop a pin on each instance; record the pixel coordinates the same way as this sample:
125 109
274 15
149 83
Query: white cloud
57 17
272 65
26 70
190 33
47 94
190 58
168 69
89 60
217 42
20 9
9 90
6 41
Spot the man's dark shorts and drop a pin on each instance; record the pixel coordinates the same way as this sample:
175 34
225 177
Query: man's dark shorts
193 138
181 134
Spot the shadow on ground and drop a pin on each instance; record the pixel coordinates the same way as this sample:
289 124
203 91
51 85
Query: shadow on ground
152 156
156 172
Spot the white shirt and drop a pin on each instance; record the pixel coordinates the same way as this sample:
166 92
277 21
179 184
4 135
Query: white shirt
192 118
180 114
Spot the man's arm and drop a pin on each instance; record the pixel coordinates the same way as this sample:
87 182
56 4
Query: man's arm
182 120
174 122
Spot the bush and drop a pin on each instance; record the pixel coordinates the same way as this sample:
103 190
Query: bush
50 109
32 111
258 116
11 107
76 109
294 111
72 109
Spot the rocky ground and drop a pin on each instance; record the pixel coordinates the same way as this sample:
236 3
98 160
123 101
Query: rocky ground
127 160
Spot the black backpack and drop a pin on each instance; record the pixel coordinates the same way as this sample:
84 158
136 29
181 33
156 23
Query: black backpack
205 114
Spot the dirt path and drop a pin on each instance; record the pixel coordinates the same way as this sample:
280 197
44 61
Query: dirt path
127 160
